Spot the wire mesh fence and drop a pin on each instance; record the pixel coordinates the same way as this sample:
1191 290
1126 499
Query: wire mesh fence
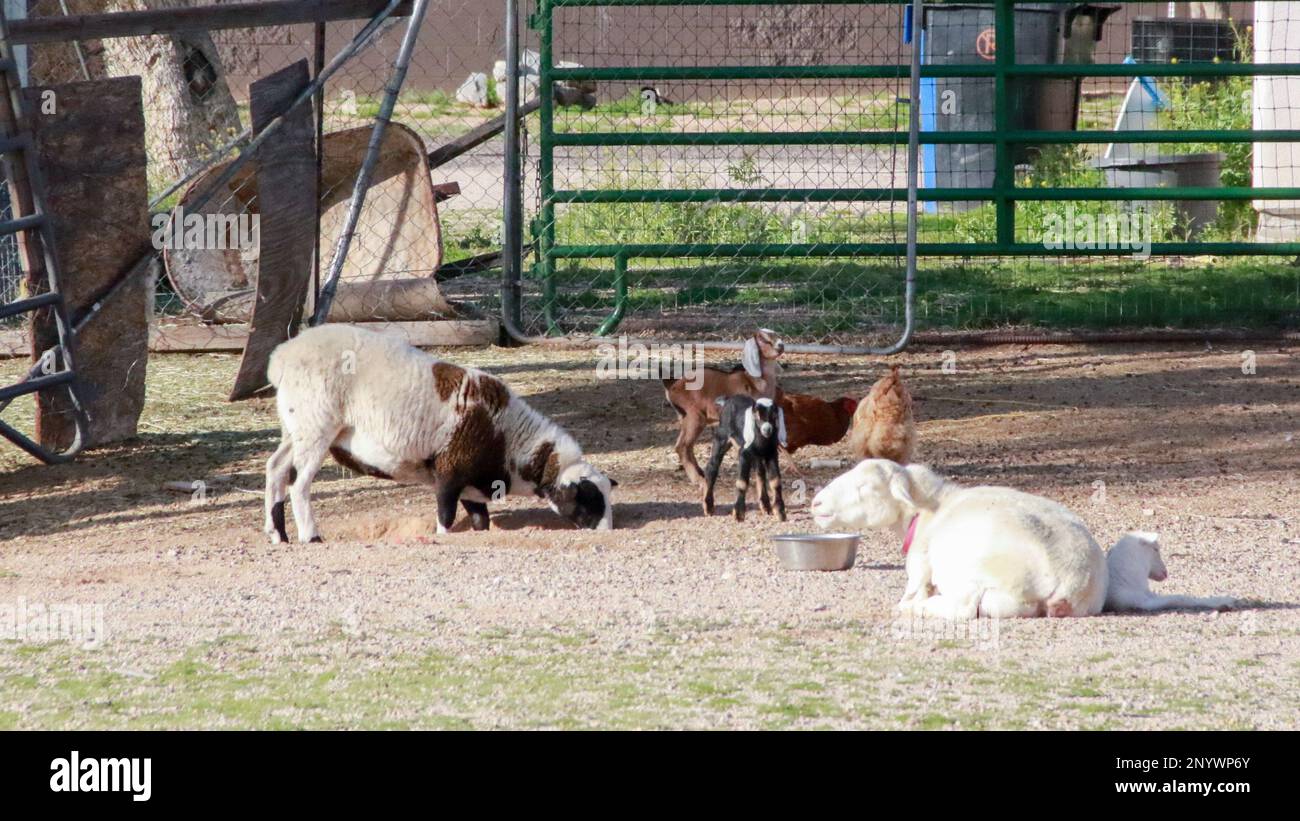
739 164
767 185
755 176
420 219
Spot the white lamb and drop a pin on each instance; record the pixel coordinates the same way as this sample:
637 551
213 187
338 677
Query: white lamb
386 409
992 551
1133 560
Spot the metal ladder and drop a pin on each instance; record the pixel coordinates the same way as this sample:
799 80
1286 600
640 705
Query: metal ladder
30 220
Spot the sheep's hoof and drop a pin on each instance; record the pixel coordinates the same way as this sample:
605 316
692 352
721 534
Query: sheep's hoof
740 514
315 540
708 507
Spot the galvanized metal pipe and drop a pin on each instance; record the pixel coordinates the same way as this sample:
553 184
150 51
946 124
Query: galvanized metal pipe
913 180
512 214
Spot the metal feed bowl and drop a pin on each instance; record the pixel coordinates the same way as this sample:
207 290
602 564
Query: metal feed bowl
817 551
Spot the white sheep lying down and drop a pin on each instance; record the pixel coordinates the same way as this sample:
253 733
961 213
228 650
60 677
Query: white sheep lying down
993 551
386 409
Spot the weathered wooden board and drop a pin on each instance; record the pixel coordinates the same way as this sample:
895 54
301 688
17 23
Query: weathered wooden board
89 139
286 184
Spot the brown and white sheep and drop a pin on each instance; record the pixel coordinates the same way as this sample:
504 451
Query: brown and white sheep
388 410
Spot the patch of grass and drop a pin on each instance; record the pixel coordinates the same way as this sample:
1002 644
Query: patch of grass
687 677
469 233
811 298
1083 690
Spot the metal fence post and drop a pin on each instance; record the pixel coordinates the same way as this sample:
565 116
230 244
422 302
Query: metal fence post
1004 175
545 237
512 229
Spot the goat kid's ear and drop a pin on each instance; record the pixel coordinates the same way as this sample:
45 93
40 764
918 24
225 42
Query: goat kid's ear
751 360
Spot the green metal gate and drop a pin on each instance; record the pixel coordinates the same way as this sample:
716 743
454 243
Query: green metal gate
561 304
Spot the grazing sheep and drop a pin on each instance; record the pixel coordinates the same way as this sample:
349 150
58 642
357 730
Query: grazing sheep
757 426
697 406
1133 560
978 551
388 410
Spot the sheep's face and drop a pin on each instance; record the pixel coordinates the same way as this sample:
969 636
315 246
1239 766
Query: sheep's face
871 495
582 495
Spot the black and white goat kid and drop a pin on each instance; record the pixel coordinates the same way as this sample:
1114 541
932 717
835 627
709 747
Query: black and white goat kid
757 426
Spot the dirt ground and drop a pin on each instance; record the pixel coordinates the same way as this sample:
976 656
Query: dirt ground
674 619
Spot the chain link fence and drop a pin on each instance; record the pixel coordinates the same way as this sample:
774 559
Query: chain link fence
723 165
732 173
426 219
755 176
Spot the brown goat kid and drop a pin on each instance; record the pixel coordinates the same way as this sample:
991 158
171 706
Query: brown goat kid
697 406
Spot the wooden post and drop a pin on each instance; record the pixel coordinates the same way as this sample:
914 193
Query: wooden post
89 140
286 186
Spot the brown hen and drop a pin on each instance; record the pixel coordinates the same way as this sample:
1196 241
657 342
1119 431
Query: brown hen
810 420
883 427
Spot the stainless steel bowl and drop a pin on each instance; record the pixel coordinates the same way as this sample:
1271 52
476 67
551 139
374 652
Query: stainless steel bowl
817 551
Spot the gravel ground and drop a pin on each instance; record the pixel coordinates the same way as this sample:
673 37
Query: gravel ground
673 620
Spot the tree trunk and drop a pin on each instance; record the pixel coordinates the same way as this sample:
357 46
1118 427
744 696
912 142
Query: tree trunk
188 107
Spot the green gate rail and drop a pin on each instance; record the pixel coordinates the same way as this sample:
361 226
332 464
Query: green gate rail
1004 193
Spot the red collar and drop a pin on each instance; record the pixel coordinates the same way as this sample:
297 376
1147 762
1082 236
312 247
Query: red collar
911 534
